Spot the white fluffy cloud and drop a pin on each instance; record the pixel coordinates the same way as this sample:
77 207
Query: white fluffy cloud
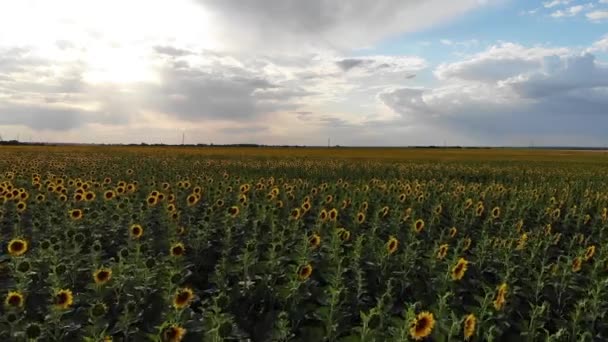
511 91
598 15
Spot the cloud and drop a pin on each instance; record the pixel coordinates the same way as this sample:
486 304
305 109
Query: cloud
510 90
597 16
496 63
600 45
328 23
553 3
570 11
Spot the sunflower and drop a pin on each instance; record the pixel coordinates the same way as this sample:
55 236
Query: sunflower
77 197
422 326
466 244
21 206
453 231
392 245
364 206
343 234
17 247
89 196
182 298
333 214
555 214
438 209
329 199
468 203
323 215
14 299
177 249
102 276
306 206
577 263
442 251
295 214
470 322
501 293
63 299
152 201
459 269
305 272
314 240
192 199
234 211
136 231
495 212
384 211
419 225
589 253
479 209
109 194
75 214
174 333
360 217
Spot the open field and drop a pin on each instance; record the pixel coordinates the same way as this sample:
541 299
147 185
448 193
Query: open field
306 244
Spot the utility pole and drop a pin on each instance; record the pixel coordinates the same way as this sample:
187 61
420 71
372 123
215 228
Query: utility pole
328 142
183 137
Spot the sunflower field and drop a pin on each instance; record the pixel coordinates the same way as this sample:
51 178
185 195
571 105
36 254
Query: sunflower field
211 244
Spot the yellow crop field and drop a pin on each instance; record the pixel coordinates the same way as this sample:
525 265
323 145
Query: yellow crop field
302 244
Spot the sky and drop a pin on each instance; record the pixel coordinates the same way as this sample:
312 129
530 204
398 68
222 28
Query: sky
358 72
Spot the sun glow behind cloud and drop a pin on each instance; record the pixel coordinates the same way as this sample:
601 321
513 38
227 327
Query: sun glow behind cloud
113 39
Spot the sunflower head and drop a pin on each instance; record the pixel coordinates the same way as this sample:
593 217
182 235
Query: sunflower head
419 225
177 249
495 212
136 231
459 269
152 200
76 214
323 215
442 251
589 252
14 299
295 214
453 232
466 244
314 240
305 272
102 276
501 293
173 333
392 245
182 298
360 217
17 247
479 210
469 325
234 211
21 206
109 194
343 234
422 326
63 299
333 214
577 263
